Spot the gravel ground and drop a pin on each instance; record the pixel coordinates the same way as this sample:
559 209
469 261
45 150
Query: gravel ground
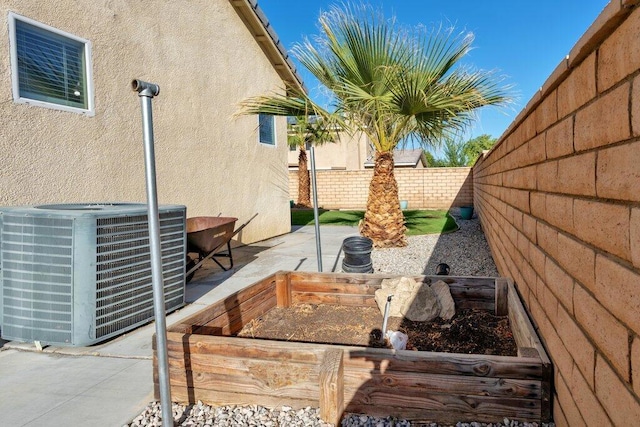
467 254
202 415
465 251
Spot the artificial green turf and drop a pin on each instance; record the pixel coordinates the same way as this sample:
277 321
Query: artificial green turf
417 221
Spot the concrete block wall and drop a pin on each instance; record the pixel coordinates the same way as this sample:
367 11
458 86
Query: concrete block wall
430 188
559 201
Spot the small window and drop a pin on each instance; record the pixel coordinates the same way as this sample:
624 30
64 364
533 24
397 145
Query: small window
50 68
267 128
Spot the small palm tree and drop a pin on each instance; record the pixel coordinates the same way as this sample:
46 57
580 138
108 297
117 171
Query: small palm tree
302 132
392 84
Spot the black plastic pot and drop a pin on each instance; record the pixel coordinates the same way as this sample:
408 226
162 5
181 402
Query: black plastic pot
442 269
357 255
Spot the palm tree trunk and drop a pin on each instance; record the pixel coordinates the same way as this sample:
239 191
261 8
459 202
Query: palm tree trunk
383 221
304 186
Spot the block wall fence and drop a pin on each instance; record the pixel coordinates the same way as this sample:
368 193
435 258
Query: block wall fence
434 188
559 201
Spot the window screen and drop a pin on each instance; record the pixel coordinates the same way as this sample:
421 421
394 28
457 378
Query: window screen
267 129
49 67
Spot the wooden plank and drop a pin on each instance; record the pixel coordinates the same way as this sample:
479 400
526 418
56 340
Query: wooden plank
447 410
466 281
222 398
345 278
515 306
331 386
334 299
412 382
368 284
233 321
376 278
465 304
444 363
332 287
464 291
369 301
447 402
525 336
501 301
523 332
528 352
297 383
180 344
464 296
546 413
283 289
217 309
207 363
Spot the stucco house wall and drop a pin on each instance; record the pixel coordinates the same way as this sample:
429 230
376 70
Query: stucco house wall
345 153
205 60
559 201
354 153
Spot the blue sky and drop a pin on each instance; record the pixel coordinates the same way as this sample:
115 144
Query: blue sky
522 40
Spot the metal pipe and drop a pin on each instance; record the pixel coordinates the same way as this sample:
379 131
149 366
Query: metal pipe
145 88
146 91
385 318
314 186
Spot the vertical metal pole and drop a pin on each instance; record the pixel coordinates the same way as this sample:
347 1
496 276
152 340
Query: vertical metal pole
146 91
314 187
385 318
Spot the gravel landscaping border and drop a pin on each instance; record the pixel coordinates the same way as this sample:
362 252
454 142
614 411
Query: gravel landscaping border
466 251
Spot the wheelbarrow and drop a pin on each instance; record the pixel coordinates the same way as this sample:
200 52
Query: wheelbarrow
206 237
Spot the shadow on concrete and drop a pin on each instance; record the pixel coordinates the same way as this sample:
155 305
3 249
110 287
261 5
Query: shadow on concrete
209 276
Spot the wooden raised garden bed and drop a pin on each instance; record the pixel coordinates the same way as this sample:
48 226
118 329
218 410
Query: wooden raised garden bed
207 363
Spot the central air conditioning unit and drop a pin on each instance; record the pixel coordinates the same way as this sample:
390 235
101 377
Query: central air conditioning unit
78 274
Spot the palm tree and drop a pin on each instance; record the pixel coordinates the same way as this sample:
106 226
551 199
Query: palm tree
393 84
302 132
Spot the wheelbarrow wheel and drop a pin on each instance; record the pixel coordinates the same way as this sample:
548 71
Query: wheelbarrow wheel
190 264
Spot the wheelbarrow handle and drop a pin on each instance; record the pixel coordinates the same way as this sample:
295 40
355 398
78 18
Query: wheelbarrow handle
239 229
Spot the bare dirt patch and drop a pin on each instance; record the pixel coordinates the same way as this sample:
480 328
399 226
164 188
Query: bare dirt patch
469 331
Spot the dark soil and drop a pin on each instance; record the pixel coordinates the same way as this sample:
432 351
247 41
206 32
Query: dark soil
469 332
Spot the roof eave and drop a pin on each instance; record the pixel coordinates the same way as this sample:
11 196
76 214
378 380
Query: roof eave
262 31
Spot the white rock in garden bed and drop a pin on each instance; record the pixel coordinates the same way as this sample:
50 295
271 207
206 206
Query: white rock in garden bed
414 300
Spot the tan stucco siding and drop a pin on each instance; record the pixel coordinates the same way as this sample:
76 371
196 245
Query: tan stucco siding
347 152
205 61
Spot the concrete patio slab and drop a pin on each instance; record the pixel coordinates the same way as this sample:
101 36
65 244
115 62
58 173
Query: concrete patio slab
38 389
110 383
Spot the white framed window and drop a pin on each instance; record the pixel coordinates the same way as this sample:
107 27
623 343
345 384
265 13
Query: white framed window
267 129
50 68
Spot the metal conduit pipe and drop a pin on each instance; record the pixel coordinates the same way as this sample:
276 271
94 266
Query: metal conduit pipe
145 88
146 92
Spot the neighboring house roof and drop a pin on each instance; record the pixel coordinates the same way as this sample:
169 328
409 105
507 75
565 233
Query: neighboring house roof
404 158
259 26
